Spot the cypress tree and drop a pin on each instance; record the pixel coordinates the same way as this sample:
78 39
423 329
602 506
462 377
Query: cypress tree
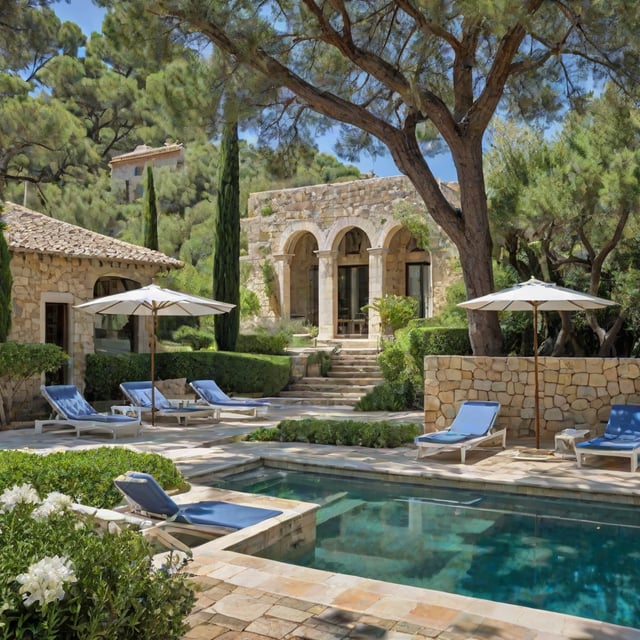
5 286
150 213
226 245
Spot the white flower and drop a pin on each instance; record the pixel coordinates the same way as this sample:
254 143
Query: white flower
17 494
44 581
55 502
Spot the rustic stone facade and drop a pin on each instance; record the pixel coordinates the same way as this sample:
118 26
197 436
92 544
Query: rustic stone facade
319 253
56 265
574 392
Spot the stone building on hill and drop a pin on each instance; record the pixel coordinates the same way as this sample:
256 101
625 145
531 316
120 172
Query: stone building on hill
320 253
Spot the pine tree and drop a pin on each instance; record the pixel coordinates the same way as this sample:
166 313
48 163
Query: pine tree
5 286
226 260
150 213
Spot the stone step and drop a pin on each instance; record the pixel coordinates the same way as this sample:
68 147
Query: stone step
356 375
344 369
325 387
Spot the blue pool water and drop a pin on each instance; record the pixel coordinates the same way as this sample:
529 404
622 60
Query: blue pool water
579 558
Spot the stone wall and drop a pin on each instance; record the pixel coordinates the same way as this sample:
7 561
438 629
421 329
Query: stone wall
574 392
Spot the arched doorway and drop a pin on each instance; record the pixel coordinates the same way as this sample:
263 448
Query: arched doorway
304 279
353 283
408 271
114 333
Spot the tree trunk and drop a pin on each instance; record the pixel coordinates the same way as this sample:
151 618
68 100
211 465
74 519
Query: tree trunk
467 227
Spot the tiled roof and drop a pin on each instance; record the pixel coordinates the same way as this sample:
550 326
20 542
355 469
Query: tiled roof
32 232
143 151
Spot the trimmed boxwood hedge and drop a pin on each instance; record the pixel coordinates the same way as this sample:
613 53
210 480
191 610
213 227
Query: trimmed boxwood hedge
87 476
381 434
241 373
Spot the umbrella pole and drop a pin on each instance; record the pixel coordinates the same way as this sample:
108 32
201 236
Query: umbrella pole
535 374
153 367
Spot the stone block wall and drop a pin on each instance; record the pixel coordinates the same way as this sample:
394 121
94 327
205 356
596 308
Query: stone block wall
574 392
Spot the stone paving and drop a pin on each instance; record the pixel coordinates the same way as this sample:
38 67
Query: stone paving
244 597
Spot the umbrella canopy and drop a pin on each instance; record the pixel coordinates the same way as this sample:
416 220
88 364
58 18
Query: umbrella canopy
535 295
154 301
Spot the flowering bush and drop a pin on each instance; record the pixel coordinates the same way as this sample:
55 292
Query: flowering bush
62 576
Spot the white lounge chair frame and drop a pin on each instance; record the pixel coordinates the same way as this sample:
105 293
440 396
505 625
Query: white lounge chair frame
59 419
463 446
426 448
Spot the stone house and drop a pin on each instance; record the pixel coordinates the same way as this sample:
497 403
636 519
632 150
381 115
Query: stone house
56 265
129 168
320 253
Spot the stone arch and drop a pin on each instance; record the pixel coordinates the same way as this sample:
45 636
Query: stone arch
292 232
340 227
301 259
407 268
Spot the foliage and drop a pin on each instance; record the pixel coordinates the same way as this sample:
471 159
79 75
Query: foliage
323 358
150 212
249 304
389 396
242 373
383 434
395 311
564 210
416 221
474 59
18 363
226 252
196 338
86 475
63 576
263 342
6 284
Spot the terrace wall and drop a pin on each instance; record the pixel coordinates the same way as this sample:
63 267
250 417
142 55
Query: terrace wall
574 392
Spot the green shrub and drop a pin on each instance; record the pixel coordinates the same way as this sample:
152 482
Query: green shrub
389 396
193 337
264 343
323 358
61 576
382 434
87 476
395 311
436 341
242 373
20 362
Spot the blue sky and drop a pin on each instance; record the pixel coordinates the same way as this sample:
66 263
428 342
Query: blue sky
89 18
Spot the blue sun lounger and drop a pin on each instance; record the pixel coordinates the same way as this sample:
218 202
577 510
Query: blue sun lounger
70 409
139 395
621 437
472 426
145 496
210 393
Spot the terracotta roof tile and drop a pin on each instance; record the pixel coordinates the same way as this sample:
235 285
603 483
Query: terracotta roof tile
32 232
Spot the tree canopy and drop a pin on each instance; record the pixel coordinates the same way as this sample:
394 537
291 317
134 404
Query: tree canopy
418 75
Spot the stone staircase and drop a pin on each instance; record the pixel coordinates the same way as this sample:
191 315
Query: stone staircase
354 372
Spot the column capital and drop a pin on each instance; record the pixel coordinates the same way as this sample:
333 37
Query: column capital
326 254
378 251
283 257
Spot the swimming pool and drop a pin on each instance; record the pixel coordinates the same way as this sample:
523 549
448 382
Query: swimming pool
574 557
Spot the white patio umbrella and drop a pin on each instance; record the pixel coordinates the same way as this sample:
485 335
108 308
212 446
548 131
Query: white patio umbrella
535 295
154 301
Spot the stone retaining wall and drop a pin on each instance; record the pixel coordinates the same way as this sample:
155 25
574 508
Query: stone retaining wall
574 392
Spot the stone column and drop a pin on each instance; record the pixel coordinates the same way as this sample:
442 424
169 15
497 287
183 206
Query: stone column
327 294
376 287
283 273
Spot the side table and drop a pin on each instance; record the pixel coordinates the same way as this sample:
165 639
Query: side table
565 441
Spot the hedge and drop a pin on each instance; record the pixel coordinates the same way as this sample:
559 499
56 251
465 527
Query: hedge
241 373
381 434
87 476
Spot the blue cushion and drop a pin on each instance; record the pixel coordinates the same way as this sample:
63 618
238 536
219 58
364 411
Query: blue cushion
622 431
443 437
69 401
210 392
